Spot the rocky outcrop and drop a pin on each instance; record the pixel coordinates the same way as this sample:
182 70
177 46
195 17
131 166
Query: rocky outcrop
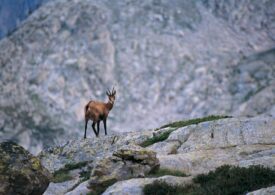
192 149
21 172
185 58
88 150
110 158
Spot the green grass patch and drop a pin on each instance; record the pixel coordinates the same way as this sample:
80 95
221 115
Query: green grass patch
158 138
195 121
63 174
226 180
75 165
61 177
163 136
162 172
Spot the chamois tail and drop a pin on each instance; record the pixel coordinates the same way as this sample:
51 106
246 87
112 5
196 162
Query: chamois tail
86 107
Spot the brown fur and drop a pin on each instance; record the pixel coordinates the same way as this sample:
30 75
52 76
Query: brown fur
98 111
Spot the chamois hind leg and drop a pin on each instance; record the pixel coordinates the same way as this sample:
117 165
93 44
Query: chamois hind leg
93 125
105 126
98 126
86 122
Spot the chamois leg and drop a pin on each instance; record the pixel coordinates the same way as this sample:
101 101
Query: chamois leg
93 125
98 126
86 122
105 126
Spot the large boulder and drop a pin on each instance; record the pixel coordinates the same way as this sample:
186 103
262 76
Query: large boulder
21 172
88 150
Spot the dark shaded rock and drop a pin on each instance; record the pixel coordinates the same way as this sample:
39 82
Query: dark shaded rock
21 172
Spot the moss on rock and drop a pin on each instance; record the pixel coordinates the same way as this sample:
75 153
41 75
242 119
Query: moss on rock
20 171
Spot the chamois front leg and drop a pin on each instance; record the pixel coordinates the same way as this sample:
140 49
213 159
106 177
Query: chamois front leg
93 125
98 127
105 126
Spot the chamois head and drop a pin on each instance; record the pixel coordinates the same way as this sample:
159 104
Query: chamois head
111 95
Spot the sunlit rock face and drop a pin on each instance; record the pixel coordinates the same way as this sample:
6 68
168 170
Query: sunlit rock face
168 60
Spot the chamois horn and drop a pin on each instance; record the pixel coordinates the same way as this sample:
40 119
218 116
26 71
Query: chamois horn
113 91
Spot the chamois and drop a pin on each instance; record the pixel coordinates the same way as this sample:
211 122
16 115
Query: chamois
98 111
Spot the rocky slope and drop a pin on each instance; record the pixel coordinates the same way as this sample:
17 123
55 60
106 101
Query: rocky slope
170 56
117 164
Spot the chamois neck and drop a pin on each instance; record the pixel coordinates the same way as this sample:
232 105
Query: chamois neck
109 105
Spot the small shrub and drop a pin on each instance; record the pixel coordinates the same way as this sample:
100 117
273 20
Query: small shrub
162 172
162 188
225 180
163 136
235 180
